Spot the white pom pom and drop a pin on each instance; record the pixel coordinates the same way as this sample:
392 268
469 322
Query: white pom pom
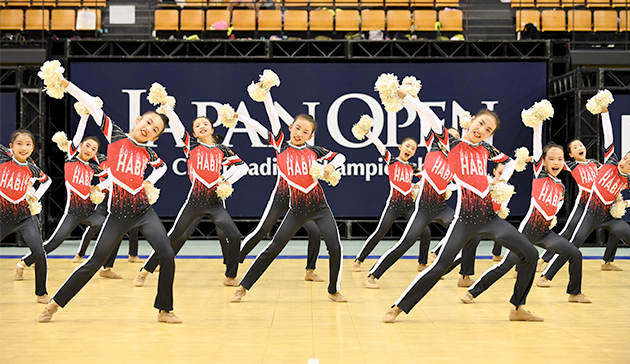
502 192
51 73
96 196
598 102
224 190
415 191
387 87
503 212
521 154
170 100
34 205
554 222
61 139
334 178
360 129
82 110
538 113
448 194
157 93
411 86
618 209
152 193
227 116
258 91
465 120
317 171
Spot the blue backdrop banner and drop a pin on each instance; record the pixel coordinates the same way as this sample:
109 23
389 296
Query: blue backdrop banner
336 95
8 116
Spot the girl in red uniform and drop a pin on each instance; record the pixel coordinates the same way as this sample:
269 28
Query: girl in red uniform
611 179
547 199
17 171
474 215
128 206
206 158
307 203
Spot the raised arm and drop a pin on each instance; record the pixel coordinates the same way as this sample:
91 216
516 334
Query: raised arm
173 120
87 100
608 133
255 125
537 150
426 114
273 115
377 143
78 136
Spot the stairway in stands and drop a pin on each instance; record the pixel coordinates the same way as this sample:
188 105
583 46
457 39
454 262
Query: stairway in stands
488 20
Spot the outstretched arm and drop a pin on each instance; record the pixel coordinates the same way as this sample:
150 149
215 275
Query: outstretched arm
273 115
254 124
173 120
426 114
537 150
87 100
377 143
608 132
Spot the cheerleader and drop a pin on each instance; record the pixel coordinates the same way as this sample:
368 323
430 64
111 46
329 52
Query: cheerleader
474 216
547 199
400 200
307 200
17 172
611 179
206 157
128 205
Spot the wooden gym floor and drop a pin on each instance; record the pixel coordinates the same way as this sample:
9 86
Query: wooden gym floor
284 319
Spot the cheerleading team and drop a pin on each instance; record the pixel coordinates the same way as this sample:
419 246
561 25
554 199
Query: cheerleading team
400 200
474 215
17 172
206 158
128 205
546 200
612 178
307 200
430 204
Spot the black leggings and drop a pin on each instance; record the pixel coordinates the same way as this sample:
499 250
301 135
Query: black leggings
550 241
91 231
417 226
291 223
275 208
588 223
456 237
113 230
67 223
29 229
187 220
388 217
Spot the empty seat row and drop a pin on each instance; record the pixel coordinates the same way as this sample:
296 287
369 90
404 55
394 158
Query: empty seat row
573 20
340 3
570 3
42 19
302 20
54 3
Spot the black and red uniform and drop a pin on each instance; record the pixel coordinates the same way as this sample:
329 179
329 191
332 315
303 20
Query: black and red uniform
15 215
205 163
128 207
547 199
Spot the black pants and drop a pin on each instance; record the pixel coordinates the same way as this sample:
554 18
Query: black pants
91 231
29 230
291 223
113 230
275 208
467 258
67 223
417 226
588 223
496 249
386 221
456 237
187 220
550 241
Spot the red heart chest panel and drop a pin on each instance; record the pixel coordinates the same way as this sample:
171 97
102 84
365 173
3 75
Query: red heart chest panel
584 175
470 165
438 170
14 180
547 195
205 164
78 177
127 163
294 166
609 183
400 176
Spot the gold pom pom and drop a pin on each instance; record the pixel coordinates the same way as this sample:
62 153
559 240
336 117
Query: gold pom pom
503 212
521 154
61 139
258 91
51 73
170 100
317 171
82 110
387 87
618 209
34 206
96 196
465 120
360 129
157 93
224 190
334 178
227 116
554 222
448 194
538 113
415 191
501 192
598 102
411 86
152 193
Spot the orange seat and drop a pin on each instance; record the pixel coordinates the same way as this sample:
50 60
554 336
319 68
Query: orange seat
290 3
446 3
216 15
424 20
523 4
390 3
624 17
372 20
422 3
320 3
399 20
295 20
45 3
347 3
11 19
244 19
371 3
452 20
604 21
347 20
620 3
553 21
37 19
270 20
524 17
572 3
548 3
21 3
62 19
321 20
166 19
579 21
73 3
191 19
598 3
